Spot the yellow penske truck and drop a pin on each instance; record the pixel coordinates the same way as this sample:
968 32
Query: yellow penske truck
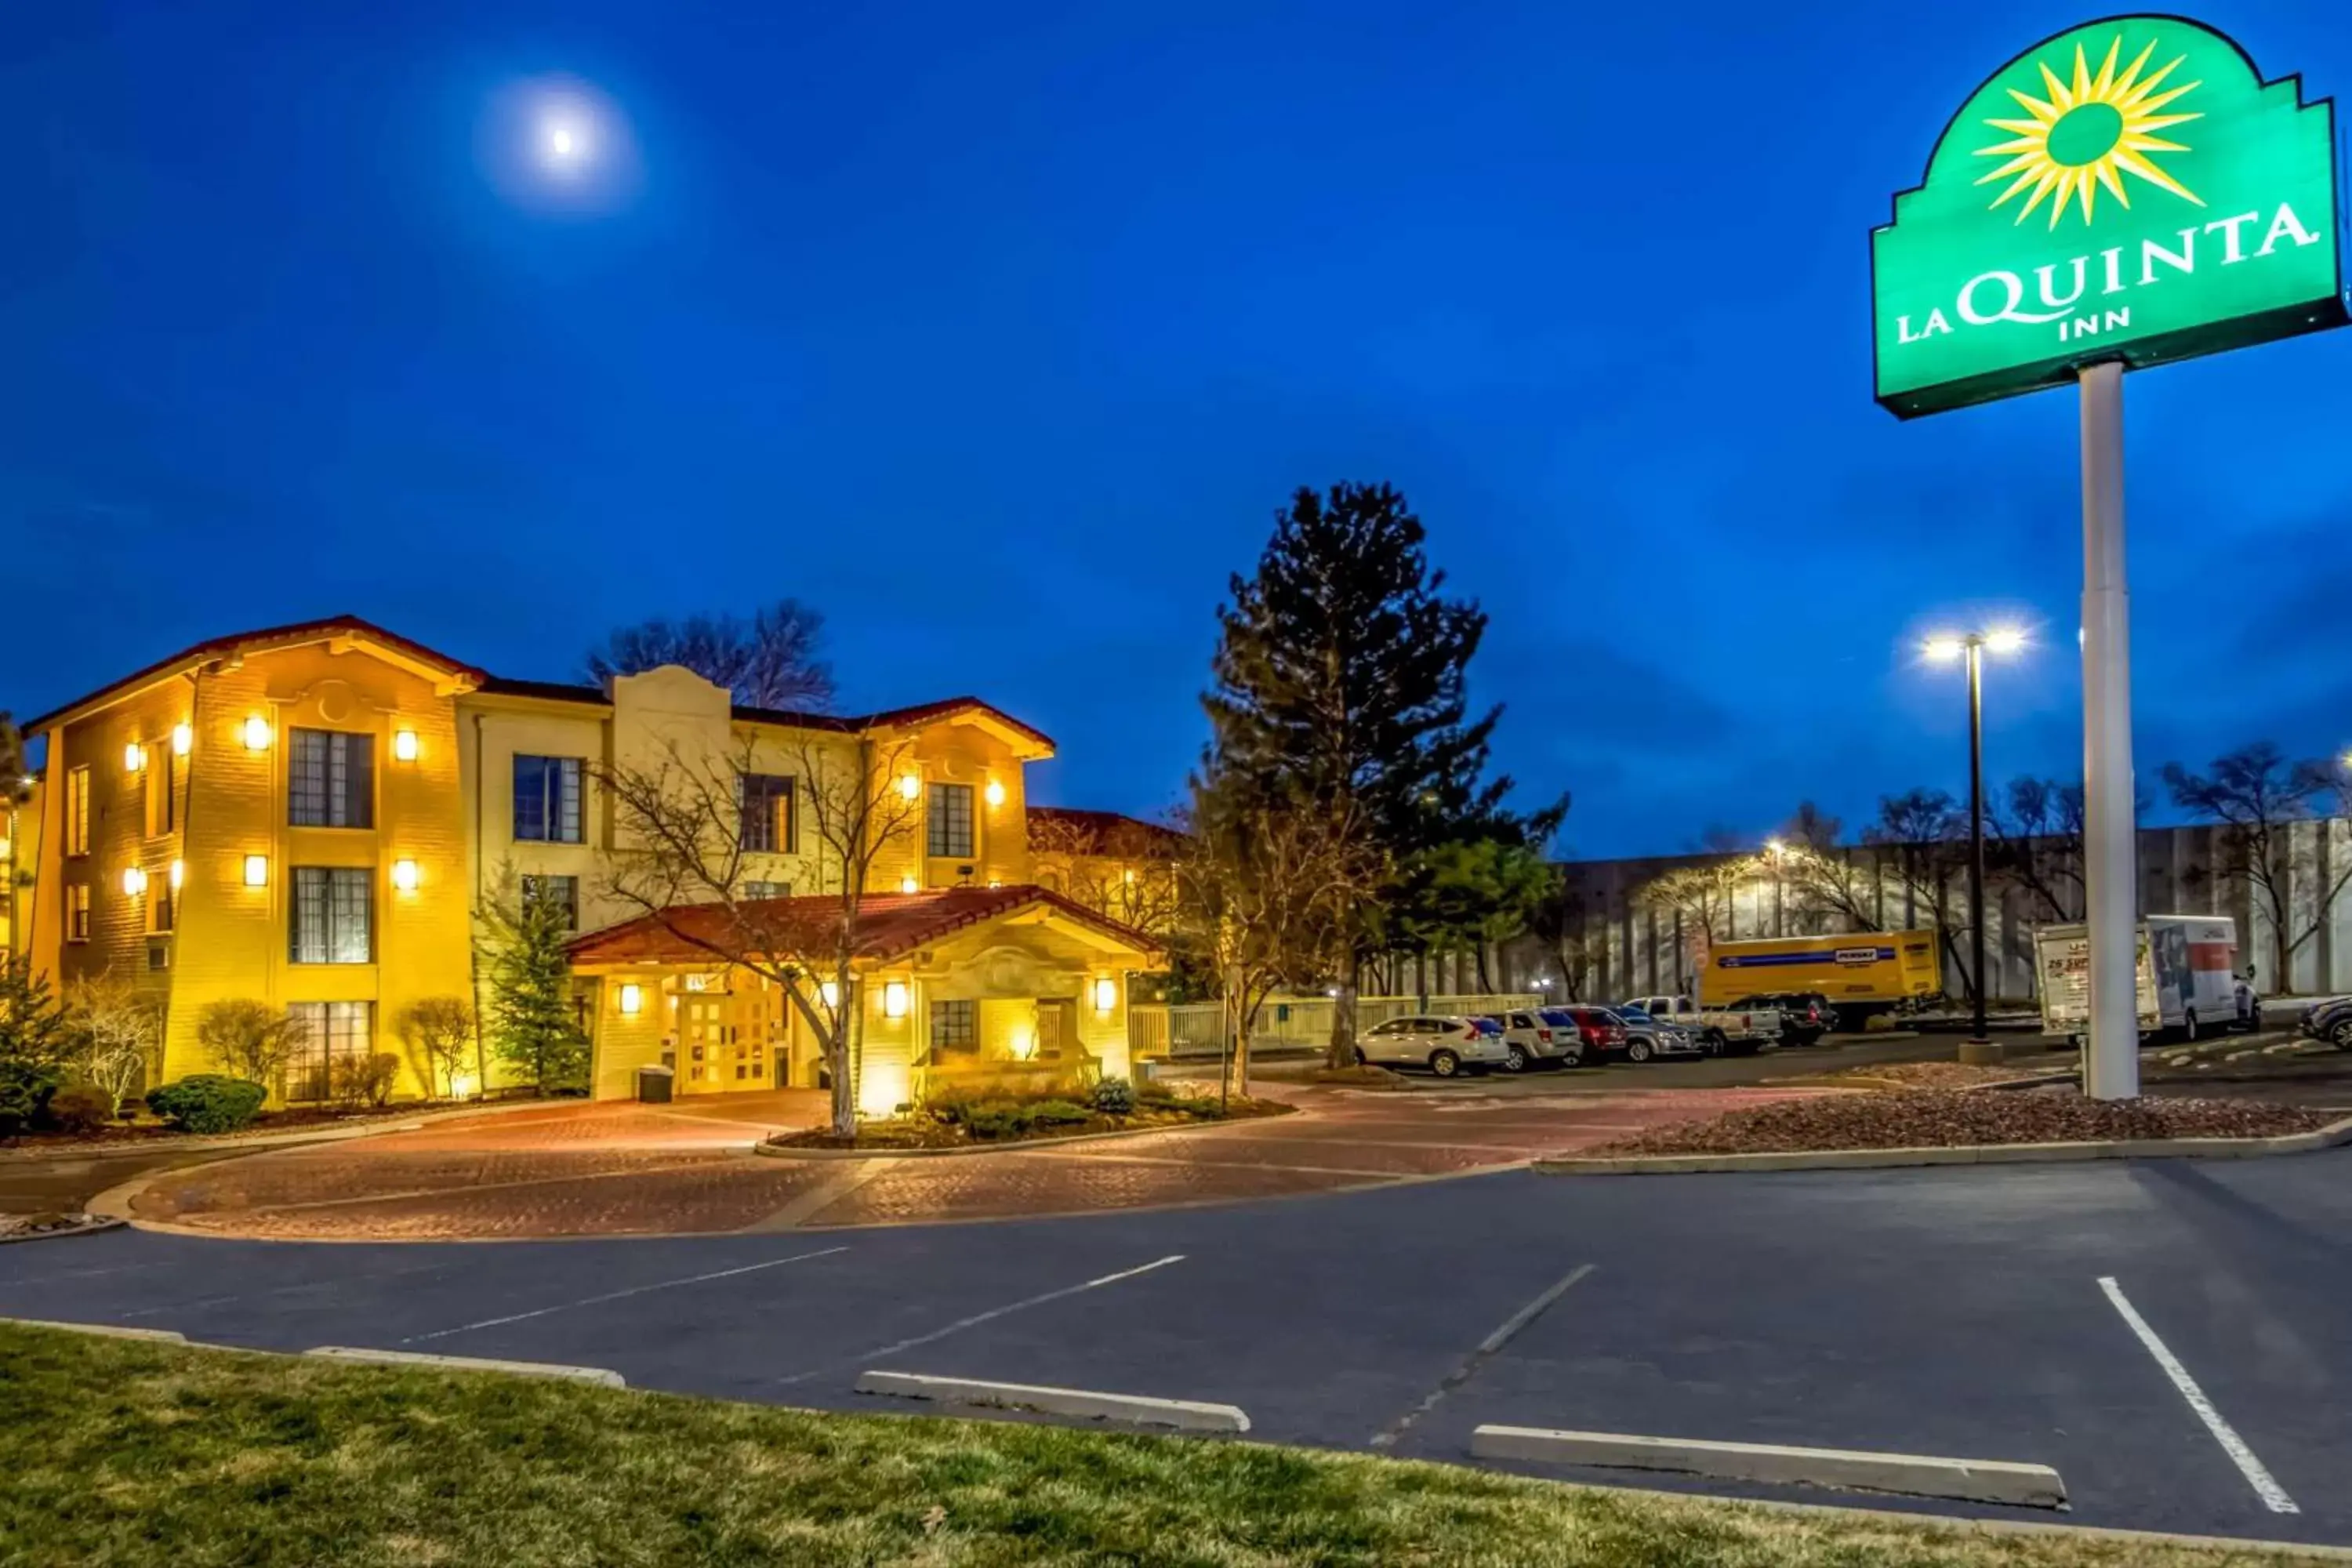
1857 972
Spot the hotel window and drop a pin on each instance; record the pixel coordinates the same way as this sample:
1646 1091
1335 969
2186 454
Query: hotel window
767 891
77 911
764 804
947 827
334 909
163 775
329 779
78 811
955 1026
332 1032
163 902
562 891
547 799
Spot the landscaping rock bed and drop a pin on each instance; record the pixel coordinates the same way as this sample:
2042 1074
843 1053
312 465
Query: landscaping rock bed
1935 1118
32 1227
987 1126
1929 1075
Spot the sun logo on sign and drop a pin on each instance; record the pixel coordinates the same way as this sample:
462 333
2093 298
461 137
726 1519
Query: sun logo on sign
2088 135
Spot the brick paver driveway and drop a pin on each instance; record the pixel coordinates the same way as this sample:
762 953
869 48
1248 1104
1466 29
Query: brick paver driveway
687 1169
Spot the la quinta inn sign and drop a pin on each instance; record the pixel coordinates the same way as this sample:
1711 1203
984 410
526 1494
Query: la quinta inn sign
2131 190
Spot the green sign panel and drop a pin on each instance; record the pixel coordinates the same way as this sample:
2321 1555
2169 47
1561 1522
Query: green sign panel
2129 190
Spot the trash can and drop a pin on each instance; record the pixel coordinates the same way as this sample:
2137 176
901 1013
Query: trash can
654 1084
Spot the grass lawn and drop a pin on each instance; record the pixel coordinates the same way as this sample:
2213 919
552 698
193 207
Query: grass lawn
119 1452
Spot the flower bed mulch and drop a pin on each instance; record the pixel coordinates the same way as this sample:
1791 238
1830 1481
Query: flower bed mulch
1930 1075
1916 1119
922 1131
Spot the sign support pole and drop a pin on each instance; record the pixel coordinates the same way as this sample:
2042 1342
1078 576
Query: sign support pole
2110 875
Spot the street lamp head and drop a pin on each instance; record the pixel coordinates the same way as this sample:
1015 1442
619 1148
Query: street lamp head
2008 639
1775 849
1942 650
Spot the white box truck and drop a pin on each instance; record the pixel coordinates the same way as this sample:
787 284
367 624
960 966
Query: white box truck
2188 968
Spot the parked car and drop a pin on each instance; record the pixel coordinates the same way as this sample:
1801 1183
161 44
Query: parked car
1598 1031
1647 1039
1444 1043
2331 1021
1739 1029
1541 1035
1805 1016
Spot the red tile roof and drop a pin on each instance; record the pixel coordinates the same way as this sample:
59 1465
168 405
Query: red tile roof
1071 830
890 925
222 647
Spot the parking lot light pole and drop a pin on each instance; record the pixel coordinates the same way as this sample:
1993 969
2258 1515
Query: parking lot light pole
1972 647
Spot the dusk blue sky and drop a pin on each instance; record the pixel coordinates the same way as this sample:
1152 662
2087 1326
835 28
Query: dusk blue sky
997 334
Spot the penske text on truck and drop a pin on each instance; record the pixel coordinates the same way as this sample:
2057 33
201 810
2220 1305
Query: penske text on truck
1888 966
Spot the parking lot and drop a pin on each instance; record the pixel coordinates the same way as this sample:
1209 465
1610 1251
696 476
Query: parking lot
1957 1312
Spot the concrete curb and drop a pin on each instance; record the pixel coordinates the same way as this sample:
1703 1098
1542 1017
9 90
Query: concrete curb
1016 1145
103 1330
1910 1475
1135 1409
97 1223
2332 1135
600 1376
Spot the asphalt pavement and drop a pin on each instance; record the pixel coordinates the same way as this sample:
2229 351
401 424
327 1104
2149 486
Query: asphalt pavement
1965 1312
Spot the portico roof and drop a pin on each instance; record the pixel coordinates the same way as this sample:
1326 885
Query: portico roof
888 925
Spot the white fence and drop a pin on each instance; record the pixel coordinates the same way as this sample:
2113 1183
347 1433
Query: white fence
1198 1028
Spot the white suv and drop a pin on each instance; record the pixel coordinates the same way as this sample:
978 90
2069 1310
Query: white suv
1444 1043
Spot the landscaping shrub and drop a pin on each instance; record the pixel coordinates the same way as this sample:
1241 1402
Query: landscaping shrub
365 1081
1016 1118
207 1102
26 1090
80 1108
1115 1097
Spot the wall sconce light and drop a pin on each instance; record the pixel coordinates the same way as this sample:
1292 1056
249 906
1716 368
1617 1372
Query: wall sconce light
403 876
1128 876
256 870
177 872
830 992
1106 996
907 884
184 739
134 757
135 880
404 745
633 997
910 787
894 999
255 733
996 882
994 793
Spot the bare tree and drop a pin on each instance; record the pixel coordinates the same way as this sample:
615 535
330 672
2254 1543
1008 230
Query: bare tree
1122 870
1925 835
116 1036
251 1039
2258 796
683 846
1700 897
439 1032
769 661
2034 839
1562 921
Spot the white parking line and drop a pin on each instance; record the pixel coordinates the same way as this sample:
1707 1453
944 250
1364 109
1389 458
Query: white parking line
979 1318
1387 1436
2273 1495
620 1295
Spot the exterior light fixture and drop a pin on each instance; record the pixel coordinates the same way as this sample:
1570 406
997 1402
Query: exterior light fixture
830 992
910 787
255 733
256 870
184 739
1128 876
993 794
2008 639
404 745
403 876
631 998
907 884
996 882
1106 995
134 757
1942 650
894 999
135 880
178 871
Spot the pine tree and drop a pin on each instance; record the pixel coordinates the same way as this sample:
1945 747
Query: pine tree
530 1020
1341 688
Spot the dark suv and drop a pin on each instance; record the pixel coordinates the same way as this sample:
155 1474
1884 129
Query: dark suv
1805 1016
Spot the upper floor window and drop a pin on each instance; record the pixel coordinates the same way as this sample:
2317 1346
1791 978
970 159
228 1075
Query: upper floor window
77 911
329 779
754 891
947 826
334 915
78 811
765 805
547 799
163 773
564 892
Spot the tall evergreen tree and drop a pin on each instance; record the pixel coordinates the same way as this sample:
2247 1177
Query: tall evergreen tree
529 1019
1340 689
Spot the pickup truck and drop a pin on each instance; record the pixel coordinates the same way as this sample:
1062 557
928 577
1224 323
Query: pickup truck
1742 1031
